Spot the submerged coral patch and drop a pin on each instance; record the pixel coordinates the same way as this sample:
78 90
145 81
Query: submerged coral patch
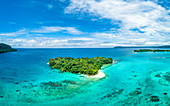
154 98
166 76
135 93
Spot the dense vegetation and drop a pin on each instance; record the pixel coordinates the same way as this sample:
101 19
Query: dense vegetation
6 48
89 66
150 50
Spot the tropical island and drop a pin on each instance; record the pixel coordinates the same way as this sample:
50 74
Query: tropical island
88 66
6 48
164 46
150 50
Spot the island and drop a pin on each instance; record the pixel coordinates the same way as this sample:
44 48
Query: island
164 46
6 48
88 66
150 50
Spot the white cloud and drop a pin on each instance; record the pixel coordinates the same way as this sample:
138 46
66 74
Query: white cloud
44 29
104 35
12 23
146 16
50 6
44 42
37 3
17 33
53 29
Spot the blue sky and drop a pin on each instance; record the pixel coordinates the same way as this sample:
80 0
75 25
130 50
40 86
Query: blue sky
84 23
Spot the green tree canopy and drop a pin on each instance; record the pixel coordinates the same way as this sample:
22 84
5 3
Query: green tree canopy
89 66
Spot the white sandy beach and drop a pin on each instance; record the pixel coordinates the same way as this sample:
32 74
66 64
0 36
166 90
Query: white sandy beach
100 74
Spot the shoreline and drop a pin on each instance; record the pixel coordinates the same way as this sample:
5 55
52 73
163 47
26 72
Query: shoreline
100 74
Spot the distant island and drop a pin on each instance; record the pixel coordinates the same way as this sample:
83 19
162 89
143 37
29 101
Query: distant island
88 66
164 46
150 50
6 48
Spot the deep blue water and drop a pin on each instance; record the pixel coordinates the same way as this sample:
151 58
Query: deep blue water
134 80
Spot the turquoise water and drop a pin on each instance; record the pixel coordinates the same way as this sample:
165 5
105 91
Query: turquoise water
137 79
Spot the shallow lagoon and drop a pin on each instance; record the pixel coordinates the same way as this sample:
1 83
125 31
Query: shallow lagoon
137 79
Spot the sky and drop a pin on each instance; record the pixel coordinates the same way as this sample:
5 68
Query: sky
84 23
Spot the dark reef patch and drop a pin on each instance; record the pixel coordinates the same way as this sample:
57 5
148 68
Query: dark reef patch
154 98
114 93
135 93
157 75
51 84
69 82
167 76
1 96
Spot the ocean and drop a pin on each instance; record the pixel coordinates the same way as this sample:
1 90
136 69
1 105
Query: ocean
141 79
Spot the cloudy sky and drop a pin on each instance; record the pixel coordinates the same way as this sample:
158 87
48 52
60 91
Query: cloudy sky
84 23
